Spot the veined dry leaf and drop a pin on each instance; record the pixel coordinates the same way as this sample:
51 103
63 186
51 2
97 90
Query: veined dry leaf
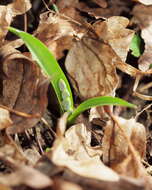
8 12
74 152
143 17
91 63
91 67
56 32
23 88
115 145
114 32
145 2
5 120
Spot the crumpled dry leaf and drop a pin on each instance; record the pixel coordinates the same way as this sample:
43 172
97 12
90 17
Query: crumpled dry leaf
91 64
74 152
19 7
91 67
8 12
115 145
24 88
5 120
143 17
56 32
114 32
145 2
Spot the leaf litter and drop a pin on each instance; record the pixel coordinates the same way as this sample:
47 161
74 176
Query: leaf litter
91 40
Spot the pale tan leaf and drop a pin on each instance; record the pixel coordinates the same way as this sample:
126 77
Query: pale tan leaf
145 2
8 12
5 120
73 151
19 7
114 32
115 145
56 31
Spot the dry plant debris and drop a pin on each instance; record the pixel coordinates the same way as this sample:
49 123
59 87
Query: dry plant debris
106 148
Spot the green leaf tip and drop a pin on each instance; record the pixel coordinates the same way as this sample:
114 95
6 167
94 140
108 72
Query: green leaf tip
98 101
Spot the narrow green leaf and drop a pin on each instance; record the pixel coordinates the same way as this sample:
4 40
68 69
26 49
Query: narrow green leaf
97 101
136 45
48 64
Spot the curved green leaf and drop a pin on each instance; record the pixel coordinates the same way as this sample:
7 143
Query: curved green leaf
48 64
97 101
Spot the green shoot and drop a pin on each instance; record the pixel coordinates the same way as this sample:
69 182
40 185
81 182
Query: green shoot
48 64
97 101
136 46
61 86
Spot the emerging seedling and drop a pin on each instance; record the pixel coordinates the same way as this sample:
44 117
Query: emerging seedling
61 86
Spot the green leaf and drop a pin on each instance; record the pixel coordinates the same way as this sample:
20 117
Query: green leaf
136 45
97 101
48 64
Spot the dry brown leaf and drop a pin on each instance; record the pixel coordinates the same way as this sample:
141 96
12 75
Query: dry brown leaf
110 10
61 4
56 32
114 32
8 12
74 152
143 17
115 145
19 7
23 88
91 67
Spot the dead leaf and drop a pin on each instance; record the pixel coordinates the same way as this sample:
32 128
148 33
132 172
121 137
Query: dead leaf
19 7
115 145
57 32
114 32
61 4
23 88
145 2
8 12
91 67
5 120
143 17
109 9
74 152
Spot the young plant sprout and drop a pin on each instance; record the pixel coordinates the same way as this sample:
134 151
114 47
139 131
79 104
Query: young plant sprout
49 65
